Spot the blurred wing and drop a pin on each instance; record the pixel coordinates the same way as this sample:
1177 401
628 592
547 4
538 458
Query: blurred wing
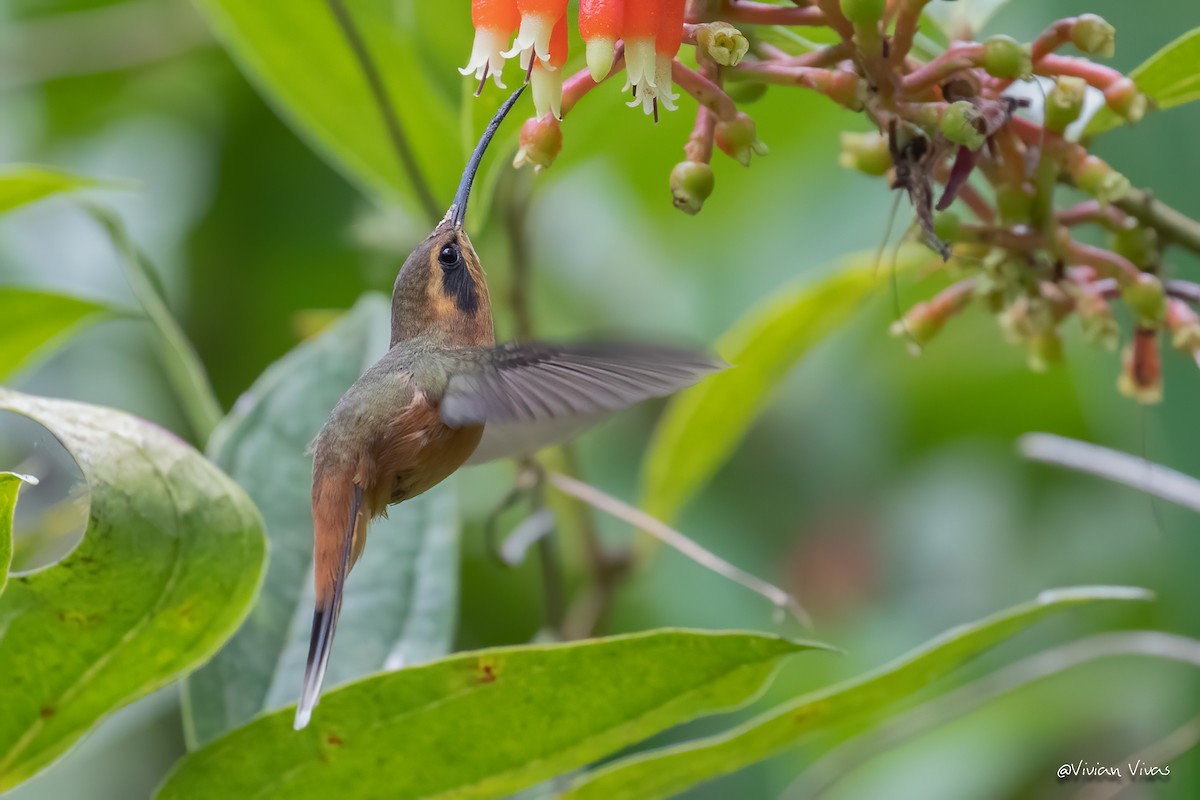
530 396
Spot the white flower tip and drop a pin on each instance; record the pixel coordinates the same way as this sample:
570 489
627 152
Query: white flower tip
599 55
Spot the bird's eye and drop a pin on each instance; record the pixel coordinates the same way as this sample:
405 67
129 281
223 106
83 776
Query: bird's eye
448 255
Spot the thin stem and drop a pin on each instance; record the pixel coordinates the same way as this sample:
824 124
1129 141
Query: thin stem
387 110
673 538
754 13
179 359
705 92
1174 227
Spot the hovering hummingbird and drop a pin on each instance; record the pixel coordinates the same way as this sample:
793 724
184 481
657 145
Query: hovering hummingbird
445 395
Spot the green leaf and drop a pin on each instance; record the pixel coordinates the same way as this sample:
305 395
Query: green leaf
400 602
670 770
1170 77
10 484
296 55
487 723
168 568
30 319
704 424
23 184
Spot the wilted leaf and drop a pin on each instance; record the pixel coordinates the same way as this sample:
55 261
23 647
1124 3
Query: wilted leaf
22 184
168 568
10 484
704 424
666 772
485 724
1170 77
400 601
29 319
295 53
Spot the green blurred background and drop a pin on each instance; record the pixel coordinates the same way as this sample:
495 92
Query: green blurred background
883 490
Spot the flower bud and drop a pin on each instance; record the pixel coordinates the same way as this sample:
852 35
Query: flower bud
1043 350
1147 299
1015 203
1141 368
962 123
1094 36
1005 57
738 139
865 152
1137 243
540 141
1096 319
1096 178
947 225
691 184
1123 97
863 12
600 27
1184 325
1064 102
724 43
924 320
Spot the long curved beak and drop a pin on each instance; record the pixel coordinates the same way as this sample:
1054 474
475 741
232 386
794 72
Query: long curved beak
458 209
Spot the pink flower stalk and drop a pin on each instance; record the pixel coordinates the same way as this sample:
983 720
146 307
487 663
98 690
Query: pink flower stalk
538 18
638 29
547 76
600 26
494 21
667 39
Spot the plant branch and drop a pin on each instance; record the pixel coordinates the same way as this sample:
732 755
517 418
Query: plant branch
179 359
673 538
387 110
1174 226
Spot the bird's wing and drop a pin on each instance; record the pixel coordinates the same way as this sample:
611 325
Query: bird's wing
528 396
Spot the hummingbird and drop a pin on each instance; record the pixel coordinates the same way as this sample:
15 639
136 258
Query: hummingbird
445 395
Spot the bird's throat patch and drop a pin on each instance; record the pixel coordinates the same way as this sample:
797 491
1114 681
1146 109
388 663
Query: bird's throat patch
458 285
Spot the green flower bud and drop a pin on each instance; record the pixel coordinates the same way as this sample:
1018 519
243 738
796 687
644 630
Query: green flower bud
743 92
865 152
1064 102
1124 98
1139 244
1005 57
1147 299
1015 204
963 124
691 184
1095 177
863 12
724 43
1184 325
738 139
947 225
1043 350
1094 36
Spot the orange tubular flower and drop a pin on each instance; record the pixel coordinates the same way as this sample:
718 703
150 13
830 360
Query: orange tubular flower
600 26
638 29
494 21
666 44
538 18
547 77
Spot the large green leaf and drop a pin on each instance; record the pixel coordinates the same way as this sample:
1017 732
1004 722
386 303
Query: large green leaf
668 771
295 53
22 184
487 723
704 424
10 484
400 601
30 319
1170 77
168 568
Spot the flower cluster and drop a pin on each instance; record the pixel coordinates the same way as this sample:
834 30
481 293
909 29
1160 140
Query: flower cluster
985 173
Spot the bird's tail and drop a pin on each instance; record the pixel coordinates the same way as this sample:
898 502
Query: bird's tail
332 560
